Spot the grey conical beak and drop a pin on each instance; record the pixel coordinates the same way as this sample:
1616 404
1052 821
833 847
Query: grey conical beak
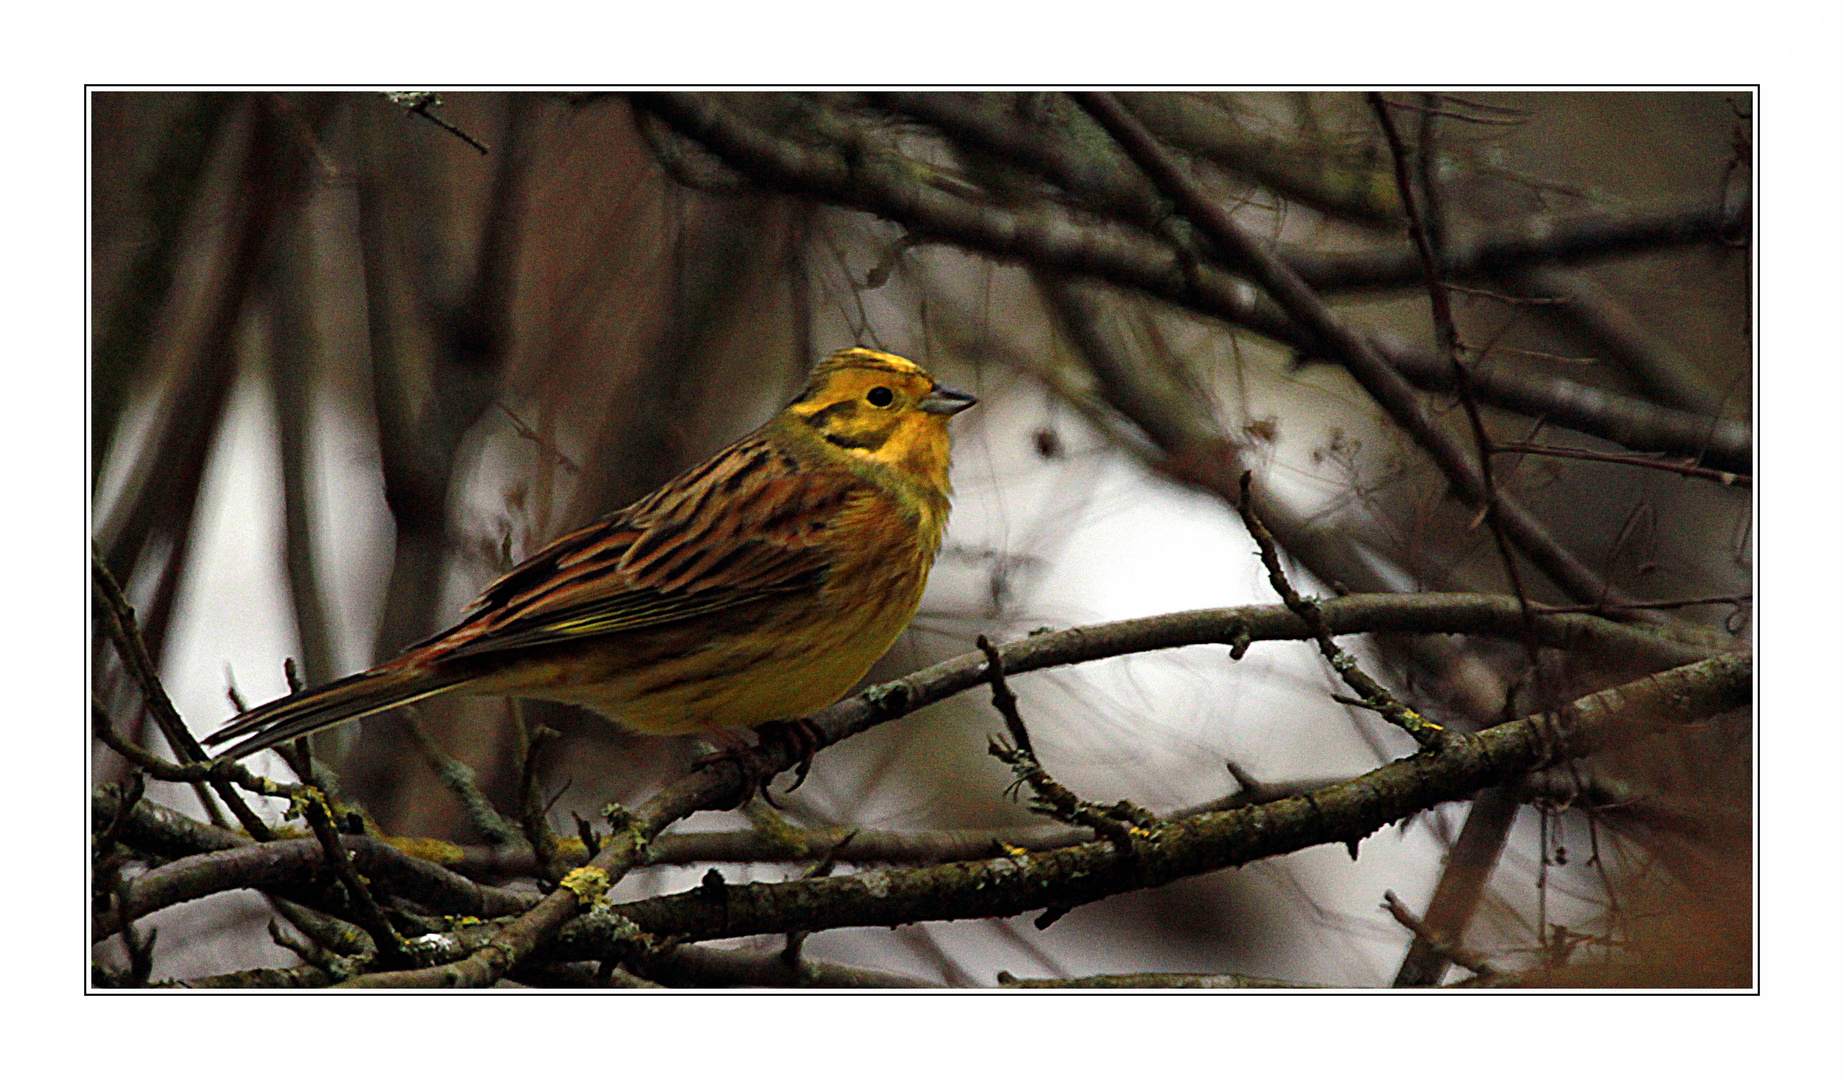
945 402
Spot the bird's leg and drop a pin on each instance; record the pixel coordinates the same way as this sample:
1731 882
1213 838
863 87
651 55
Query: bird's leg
804 739
733 747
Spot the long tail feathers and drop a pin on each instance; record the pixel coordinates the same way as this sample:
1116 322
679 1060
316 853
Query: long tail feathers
344 699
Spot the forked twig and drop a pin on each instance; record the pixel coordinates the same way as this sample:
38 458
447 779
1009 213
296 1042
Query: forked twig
1373 695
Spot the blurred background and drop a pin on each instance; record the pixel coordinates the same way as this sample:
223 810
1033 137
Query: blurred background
355 355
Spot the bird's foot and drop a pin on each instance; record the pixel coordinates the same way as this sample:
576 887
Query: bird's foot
802 737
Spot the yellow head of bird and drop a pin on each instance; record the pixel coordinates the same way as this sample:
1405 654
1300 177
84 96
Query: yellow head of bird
880 409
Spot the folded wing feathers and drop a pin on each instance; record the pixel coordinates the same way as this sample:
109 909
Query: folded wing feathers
742 527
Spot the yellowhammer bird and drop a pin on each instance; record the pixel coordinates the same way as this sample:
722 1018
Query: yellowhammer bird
756 587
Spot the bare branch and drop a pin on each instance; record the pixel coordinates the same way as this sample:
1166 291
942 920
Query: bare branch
1466 958
1470 862
295 862
1013 884
1375 695
1539 242
1344 186
1632 422
1728 479
423 103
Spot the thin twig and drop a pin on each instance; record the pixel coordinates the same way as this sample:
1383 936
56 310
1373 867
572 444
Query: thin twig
420 103
974 122
280 864
1737 601
1547 241
119 623
364 906
1309 171
1507 298
1373 694
1003 699
1452 951
1632 422
1503 121
1489 818
216 770
299 754
1682 468
1122 823
349 949
459 778
1447 337
533 819
545 446
694 966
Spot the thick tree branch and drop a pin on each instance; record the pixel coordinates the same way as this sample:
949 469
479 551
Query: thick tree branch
168 191
850 844
159 830
165 832
1015 883
1660 370
693 966
299 862
1470 862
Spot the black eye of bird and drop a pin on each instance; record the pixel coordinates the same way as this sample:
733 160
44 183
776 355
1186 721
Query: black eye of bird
880 396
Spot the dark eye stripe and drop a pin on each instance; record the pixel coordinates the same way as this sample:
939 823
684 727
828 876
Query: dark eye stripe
837 410
870 440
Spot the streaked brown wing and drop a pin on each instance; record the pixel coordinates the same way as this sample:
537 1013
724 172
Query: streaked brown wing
745 526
